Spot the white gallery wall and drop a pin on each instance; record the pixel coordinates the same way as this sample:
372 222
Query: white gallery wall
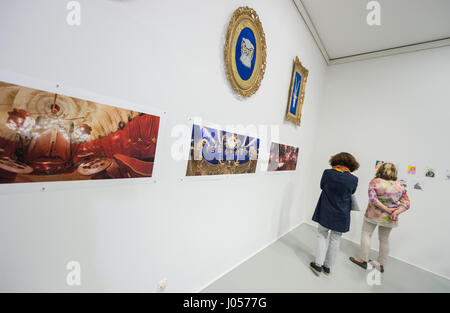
168 56
394 109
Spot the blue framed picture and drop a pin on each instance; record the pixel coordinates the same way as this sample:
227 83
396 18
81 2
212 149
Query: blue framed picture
296 92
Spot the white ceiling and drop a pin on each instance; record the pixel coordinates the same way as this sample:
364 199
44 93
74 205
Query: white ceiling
341 30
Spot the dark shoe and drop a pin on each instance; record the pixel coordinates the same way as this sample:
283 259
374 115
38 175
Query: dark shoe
361 264
326 270
315 268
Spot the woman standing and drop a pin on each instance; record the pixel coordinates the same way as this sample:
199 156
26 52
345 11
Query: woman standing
333 209
387 200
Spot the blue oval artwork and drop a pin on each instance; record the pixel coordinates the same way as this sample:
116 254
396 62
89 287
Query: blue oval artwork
245 53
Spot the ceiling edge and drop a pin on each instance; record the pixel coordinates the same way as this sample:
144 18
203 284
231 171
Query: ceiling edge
302 10
368 55
392 51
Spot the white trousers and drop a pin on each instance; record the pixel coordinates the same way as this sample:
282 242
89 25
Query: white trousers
324 256
383 236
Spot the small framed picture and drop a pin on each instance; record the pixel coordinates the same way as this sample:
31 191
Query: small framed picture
412 170
296 92
378 164
430 172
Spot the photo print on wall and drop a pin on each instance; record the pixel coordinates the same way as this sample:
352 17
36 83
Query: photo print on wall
282 158
51 137
403 182
218 152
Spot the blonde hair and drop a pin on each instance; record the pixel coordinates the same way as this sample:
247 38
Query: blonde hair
387 171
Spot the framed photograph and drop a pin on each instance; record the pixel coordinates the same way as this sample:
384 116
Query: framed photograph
245 51
296 92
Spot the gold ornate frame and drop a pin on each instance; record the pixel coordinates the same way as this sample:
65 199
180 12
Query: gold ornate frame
242 18
298 68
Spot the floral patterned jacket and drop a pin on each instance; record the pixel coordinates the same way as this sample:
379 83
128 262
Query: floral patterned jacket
390 193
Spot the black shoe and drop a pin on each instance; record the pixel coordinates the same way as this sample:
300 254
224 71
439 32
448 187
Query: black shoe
315 268
362 264
326 270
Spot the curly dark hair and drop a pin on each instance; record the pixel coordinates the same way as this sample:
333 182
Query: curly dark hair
345 159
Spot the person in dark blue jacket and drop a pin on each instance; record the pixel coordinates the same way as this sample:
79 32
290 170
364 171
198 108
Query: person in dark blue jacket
333 209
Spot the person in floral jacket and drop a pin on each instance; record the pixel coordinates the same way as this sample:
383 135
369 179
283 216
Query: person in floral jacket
387 200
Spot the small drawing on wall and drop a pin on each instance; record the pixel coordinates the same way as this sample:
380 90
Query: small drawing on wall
430 172
378 164
412 170
418 185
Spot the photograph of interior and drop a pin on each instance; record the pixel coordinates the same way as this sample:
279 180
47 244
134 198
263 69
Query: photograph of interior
216 147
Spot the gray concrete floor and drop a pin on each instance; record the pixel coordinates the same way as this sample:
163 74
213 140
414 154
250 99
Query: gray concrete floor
284 267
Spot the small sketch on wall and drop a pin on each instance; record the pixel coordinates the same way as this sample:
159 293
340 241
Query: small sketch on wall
418 185
378 164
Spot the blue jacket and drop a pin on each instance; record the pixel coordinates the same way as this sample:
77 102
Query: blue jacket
334 206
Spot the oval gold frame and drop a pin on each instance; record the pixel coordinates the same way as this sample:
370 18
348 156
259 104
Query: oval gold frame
245 17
